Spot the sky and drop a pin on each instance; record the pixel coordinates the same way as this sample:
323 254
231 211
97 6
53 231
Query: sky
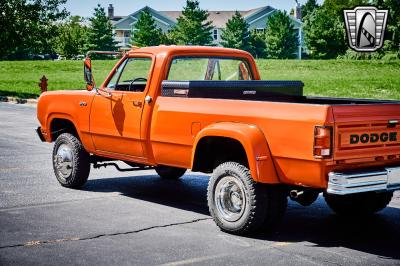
85 8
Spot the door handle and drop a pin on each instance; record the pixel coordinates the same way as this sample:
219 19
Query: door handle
137 103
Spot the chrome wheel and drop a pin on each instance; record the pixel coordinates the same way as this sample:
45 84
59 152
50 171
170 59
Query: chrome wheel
63 161
230 198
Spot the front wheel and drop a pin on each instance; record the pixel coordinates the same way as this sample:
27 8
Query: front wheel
238 204
71 162
365 203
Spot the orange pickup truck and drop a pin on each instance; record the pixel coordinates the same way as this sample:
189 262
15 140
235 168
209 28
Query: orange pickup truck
172 108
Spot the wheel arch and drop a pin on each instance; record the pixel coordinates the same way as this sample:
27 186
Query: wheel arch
251 140
59 123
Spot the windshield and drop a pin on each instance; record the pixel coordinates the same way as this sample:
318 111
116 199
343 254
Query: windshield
209 68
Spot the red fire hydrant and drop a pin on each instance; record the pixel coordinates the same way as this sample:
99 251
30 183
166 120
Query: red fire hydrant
43 84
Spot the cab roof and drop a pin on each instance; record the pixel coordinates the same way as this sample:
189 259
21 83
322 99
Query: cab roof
177 49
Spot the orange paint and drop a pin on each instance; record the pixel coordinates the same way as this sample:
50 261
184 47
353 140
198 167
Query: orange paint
278 137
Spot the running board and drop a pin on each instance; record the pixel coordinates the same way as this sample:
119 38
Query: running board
138 168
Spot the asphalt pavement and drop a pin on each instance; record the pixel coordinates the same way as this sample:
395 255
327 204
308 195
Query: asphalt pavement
136 218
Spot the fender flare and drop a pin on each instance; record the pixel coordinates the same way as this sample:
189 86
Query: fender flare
254 143
57 115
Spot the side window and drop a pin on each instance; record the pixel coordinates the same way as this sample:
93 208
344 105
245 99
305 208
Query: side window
131 75
113 81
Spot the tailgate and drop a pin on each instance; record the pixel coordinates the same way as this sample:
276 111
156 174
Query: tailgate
367 131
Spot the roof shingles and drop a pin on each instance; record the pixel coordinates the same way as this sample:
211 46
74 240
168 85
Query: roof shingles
218 18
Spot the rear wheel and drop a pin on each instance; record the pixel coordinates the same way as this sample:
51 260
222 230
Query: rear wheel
71 162
239 205
358 204
169 172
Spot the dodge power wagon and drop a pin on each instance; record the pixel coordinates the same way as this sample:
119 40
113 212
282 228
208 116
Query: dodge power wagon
173 108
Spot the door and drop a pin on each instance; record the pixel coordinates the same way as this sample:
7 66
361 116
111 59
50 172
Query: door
115 118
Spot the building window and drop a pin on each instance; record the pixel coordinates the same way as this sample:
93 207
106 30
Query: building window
215 34
260 30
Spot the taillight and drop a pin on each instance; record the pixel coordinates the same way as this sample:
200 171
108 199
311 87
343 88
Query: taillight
323 142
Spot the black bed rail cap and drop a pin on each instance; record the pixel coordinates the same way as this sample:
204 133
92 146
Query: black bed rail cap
231 83
239 89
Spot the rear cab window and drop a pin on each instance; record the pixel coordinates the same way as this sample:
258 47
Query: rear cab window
209 68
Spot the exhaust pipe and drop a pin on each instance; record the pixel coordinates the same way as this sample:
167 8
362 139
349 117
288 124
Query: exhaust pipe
294 194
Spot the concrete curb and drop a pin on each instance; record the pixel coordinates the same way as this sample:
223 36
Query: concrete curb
17 100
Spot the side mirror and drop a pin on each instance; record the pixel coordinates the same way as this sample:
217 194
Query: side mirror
87 74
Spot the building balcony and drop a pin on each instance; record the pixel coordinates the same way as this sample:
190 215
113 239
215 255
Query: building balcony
122 41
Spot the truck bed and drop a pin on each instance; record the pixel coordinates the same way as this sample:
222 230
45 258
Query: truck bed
255 90
347 116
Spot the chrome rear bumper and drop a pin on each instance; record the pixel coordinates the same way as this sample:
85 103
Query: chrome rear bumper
384 179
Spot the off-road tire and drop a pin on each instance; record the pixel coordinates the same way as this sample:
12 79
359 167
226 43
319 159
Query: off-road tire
264 205
168 172
80 161
358 204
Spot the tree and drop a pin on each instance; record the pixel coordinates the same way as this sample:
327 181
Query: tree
281 37
335 7
71 38
308 8
27 26
236 34
392 35
257 43
192 26
325 31
170 38
325 34
146 32
100 32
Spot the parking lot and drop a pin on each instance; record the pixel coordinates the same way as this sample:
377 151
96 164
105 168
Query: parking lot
136 218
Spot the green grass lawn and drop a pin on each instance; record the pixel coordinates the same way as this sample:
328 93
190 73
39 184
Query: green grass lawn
341 78
21 78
